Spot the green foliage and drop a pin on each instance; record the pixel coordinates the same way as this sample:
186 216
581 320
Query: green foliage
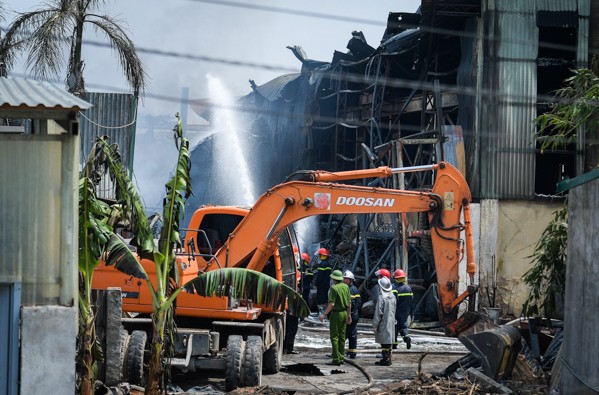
576 108
547 277
248 284
55 29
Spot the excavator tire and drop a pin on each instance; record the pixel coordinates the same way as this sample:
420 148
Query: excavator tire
124 344
274 355
134 358
252 363
234 361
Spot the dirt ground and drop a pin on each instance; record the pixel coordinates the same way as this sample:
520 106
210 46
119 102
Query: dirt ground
414 371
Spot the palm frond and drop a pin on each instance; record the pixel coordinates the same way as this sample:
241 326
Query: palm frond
120 42
248 284
44 32
119 255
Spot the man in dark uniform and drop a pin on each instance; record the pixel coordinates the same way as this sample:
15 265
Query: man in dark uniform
323 278
356 305
307 277
403 293
292 325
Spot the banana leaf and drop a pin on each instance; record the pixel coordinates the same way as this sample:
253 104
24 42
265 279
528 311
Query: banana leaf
119 255
130 202
248 284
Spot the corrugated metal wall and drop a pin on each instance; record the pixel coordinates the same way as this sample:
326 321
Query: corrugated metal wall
509 92
576 370
112 115
508 100
38 207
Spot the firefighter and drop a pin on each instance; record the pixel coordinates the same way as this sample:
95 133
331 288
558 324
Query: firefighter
356 305
403 294
383 322
307 277
339 307
292 325
323 278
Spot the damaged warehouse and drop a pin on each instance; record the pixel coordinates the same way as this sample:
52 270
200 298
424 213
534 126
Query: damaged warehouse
457 84
461 82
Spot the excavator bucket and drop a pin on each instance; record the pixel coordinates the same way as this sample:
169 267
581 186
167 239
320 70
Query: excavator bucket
496 347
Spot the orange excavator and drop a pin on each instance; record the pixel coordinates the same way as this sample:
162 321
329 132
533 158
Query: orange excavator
245 339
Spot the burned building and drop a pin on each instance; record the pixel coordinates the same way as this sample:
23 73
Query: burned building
461 82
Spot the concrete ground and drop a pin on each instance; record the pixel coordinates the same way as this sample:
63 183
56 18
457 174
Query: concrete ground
308 373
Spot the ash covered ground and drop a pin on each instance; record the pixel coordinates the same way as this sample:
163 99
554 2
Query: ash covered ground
414 371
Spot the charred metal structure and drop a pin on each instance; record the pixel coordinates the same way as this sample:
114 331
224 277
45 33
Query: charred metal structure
459 81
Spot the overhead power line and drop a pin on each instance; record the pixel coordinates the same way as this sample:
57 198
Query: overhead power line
289 11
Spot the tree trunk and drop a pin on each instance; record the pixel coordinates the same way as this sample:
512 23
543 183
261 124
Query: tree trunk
86 337
156 368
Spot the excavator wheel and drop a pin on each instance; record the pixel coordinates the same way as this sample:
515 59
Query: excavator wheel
252 363
124 338
134 358
234 362
274 355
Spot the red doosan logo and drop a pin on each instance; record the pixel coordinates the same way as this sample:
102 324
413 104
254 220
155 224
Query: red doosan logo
322 201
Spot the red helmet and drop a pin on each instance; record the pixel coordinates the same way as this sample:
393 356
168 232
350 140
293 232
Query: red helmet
323 251
383 273
305 257
399 274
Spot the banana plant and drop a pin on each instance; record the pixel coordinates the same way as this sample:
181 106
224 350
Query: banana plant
97 240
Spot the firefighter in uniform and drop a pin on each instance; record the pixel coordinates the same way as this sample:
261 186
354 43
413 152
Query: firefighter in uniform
307 277
292 325
403 293
323 278
383 321
356 305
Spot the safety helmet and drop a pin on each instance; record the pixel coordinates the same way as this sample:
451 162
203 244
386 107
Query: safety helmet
385 284
336 275
323 251
305 257
349 274
383 273
399 274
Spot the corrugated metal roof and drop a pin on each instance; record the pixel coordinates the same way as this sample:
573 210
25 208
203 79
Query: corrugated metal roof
20 93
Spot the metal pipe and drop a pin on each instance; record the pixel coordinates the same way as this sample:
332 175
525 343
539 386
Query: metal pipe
412 169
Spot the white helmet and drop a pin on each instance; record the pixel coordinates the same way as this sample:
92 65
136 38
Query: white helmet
349 274
385 284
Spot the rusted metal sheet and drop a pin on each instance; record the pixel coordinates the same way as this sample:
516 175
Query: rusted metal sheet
453 147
